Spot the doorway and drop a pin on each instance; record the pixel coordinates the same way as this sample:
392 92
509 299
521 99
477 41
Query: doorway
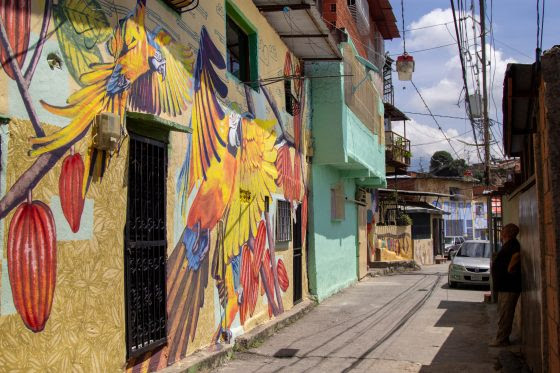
297 258
145 245
362 241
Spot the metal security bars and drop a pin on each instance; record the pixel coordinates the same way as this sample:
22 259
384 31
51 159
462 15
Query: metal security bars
145 246
283 222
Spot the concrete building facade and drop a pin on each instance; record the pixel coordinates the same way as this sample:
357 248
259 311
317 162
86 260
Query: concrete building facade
154 181
348 152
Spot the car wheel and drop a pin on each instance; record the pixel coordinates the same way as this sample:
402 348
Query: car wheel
452 284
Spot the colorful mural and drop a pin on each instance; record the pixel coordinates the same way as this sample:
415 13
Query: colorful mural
394 242
235 165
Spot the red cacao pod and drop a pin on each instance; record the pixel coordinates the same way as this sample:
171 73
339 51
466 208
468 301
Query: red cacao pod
283 280
246 282
32 262
70 190
285 171
16 15
260 241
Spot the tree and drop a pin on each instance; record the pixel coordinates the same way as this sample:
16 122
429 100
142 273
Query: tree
443 164
441 160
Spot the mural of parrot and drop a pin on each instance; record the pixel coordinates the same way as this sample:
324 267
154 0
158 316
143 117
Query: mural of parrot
229 156
150 73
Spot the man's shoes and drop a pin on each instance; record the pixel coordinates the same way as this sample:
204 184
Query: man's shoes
496 343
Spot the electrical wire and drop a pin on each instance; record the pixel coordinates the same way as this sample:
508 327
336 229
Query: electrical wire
425 27
464 76
435 120
438 141
404 31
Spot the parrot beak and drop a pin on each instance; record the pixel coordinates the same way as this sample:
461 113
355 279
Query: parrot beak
159 65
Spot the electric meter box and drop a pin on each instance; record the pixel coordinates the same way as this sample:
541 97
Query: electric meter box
107 131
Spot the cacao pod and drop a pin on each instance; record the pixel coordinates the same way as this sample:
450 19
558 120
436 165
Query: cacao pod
260 241
32 262
268 280
246 282
283 280
285 171
70 185
16 15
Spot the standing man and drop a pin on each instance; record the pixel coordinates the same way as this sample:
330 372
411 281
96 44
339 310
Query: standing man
506 276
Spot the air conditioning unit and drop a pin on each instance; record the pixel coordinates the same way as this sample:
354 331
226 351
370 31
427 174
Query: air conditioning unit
107 131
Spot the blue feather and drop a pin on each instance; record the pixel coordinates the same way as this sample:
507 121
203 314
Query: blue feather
197 243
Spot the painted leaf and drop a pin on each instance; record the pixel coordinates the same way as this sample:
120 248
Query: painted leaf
31 252
70 185
282 276
16 15
80 26
87 20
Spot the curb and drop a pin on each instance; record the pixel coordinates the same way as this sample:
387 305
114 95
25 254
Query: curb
212 357
389 268
262 332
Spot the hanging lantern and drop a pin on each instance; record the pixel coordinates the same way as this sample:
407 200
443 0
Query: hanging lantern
405 66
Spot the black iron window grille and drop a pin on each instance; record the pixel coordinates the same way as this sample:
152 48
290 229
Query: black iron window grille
283 222
145 246
291 101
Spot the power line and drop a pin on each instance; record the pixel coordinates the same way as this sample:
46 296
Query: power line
464 76
435 120
425 27
514 49
438 141
435 115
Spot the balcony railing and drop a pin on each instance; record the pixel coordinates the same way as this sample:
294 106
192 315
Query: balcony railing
397 150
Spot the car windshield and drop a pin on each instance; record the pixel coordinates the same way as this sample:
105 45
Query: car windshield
475 250
448 240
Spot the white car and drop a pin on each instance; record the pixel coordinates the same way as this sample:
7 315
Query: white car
471 264
452 244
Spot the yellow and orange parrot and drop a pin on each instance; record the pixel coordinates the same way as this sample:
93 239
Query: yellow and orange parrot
227 153
151 72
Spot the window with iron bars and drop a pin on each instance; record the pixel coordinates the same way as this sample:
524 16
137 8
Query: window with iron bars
283 222
291 101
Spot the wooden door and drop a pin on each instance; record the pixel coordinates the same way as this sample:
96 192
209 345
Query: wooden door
362 241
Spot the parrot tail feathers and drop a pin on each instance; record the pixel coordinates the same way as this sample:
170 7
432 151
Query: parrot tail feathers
67 134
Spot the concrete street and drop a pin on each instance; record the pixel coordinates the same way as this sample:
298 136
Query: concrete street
408 322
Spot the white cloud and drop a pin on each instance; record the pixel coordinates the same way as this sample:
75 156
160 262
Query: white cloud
423 35
427 139
438 76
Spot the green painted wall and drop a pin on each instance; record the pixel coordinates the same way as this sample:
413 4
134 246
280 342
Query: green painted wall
327 104
363 147
332 244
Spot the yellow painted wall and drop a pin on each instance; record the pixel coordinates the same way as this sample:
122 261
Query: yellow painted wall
85 329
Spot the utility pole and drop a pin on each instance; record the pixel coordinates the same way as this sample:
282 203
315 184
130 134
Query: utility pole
486 133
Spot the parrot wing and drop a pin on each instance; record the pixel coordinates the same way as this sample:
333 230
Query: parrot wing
185 298
210 126
256 181
155 94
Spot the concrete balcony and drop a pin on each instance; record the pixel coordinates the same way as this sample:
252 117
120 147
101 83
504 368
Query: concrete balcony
341 139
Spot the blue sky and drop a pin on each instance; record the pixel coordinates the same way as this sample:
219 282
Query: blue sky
438 72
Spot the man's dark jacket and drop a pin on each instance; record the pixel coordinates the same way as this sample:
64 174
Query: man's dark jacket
503 280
